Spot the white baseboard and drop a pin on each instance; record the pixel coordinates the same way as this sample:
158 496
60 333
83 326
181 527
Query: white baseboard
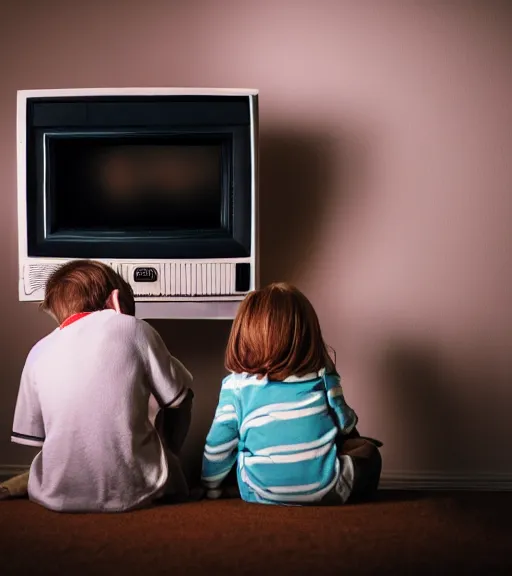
396 480
428 480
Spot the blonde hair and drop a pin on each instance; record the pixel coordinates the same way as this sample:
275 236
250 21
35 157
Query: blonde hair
276 333
85 286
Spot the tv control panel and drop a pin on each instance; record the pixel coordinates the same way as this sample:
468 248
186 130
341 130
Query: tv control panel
159 281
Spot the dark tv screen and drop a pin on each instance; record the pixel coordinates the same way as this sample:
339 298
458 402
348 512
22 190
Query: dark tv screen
142 184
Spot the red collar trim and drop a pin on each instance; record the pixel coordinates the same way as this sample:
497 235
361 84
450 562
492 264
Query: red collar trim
74 318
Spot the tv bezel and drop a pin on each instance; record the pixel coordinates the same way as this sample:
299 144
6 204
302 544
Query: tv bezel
233 240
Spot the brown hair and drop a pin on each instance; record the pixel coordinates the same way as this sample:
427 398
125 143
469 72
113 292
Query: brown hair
276 333
85 286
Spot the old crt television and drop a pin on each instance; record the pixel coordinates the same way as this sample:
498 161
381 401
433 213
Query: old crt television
161 184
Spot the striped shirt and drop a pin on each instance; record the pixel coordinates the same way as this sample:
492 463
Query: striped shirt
282 434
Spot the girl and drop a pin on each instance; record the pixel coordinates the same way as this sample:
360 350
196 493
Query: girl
282 413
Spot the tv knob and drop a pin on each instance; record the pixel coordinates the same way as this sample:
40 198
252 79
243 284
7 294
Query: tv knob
145 274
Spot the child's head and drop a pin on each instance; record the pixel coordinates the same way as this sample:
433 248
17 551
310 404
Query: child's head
276 333
86 286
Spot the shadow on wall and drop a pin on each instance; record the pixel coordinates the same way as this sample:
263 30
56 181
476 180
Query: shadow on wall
200 345
431 424
295 180
294 175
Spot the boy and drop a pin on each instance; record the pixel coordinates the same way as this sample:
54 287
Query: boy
89 395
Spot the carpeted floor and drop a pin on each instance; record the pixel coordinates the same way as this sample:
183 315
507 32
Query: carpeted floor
402 533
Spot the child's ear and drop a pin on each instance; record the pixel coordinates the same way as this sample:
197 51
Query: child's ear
113 301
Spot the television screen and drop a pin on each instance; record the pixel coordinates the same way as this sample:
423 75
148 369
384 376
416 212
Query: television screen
136 184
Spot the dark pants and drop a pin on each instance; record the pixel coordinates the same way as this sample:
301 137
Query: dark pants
172 425
367 462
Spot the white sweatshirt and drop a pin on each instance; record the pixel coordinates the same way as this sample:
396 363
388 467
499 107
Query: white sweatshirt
85 398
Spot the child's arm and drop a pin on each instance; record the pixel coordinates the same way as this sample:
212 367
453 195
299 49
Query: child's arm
221 448
28 425
169 380
169 383
346 418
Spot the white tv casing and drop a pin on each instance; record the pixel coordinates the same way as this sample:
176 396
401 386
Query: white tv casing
185 289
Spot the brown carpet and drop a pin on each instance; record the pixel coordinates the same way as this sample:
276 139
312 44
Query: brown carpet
401 533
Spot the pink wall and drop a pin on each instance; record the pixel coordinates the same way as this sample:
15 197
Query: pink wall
385 193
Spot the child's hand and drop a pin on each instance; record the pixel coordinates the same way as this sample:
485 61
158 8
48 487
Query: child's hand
377 443
227 492
214 494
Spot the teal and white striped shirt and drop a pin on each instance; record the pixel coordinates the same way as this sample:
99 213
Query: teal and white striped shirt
283 435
